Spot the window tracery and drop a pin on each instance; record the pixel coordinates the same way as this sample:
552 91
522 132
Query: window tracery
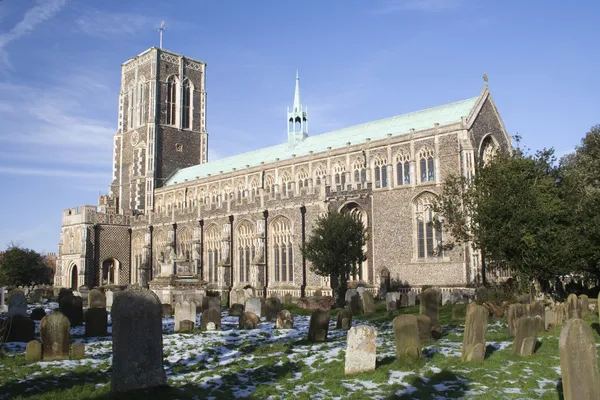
281 250
426 165
380 164
428 228
403 168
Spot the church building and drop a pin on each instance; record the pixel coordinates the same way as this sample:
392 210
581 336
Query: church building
240 221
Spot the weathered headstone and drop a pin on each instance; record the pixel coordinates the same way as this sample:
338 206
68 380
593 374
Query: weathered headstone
213 302
137 341
459 312
72 308
167 310
361 290
407 336
349 294
210 315
184 311
249 320
368 303
424 324
254 306
17 304
236 310
573 306
536 308
37 296
287 298
96 299
96 322
391 302
237 296
549 318
578 361
64 292
525 335
22 329
77 351
353 301
403 300
412 298
33 351
474 336
430 306
285 320
344 319
187 326
38 313
515 311
361 351
272 307
584 302
318 326
55 331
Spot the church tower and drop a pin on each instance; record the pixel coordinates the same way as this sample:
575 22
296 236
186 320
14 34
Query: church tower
297 118
162 125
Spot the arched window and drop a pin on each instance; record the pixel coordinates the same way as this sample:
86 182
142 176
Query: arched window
159 243
489 148
357 212
402 168
286 184
319 176
302 178
214 196
184 242
281 250
171 100
137 250
269 184
428 228
360 172
426 165
141 107
339 174
227 192
380 172
245 248
187 104
254 187
130 107
212 252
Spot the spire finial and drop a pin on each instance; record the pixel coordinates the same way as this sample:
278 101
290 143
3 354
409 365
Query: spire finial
161 30
485 79
297 106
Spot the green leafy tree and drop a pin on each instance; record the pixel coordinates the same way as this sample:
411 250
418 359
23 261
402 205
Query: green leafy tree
23 267
335 249
512 211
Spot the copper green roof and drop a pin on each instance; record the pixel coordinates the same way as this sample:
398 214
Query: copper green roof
398 125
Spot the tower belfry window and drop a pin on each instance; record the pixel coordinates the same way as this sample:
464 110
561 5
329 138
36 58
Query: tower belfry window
171 100
187 104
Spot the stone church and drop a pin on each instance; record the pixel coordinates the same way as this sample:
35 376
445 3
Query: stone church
238 222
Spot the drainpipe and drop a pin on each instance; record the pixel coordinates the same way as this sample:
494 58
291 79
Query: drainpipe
201 272
175 247
303 287
266 216
230 253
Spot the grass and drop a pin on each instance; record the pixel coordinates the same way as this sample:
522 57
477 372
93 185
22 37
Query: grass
283 364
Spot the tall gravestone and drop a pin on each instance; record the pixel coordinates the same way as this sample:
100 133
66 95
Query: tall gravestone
474 336
406 334
185 311
573 306
584 302
525 336
412 298
424 325
96 317
578 361
368 303
515 311
211 320
72 308
272 307
430 306
55 332
17 304
344 319
361 351
536 308
318 326
137 341
254 306
96 299
391 301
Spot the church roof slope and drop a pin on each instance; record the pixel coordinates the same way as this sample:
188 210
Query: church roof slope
398 125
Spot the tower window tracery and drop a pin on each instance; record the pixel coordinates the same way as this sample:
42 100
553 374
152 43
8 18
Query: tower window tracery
171 100
402 168
187 104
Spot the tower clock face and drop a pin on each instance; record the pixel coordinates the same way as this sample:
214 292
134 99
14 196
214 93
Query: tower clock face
135 138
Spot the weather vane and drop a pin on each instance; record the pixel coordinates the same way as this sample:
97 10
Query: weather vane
161 30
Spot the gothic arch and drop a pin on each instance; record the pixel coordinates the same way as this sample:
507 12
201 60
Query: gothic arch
356 210
281 249
137 252
487 148
212 252
245 250
110 268
72 275
184 243
427 228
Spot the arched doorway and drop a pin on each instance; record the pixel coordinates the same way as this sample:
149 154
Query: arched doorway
74 277
109 273
356 210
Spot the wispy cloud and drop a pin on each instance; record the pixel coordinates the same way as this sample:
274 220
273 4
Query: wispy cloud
110 25
394 6
42 11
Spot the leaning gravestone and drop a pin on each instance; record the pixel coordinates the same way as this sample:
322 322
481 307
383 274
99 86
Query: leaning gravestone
368 303
285 320
96 322
578 361
55 331
272 307
33 351
406 334
525 336
536 308
424 324
137 341
254 306
573 306
361 353
430 306
211 316
318 326
474 337
184 311
249 320
515 311
344 319
17 304
96 299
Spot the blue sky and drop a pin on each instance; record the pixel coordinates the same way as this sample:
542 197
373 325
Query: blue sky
358 60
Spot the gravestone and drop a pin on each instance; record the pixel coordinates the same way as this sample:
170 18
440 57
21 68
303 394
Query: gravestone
353 301
272 307
474 336
33 351
424 324
368 303
285 320
573 306
459 312
208 316
254 306
349 294
64 293
96 299
406 335
344 319
391 301
184 311
550 316
287 298
412 298
536 308
318 293
249 320
403 300
525 336
38 313
361 290
17 304
22 329
237 296
110 296
77 351
236 310
430 306
515 311
361 351
318 326
37 296
187 326
578 361
584 302
55 331
85 295
213 302
96 322
446 298
72 308
167 310
137 341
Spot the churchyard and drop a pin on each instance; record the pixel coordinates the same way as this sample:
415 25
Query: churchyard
266 362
